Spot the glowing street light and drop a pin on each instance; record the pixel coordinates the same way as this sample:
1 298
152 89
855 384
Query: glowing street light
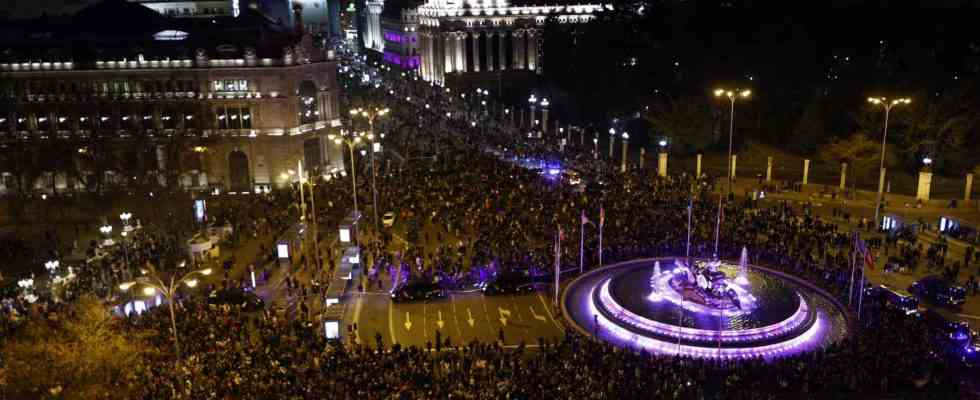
732 96
887 105
152 282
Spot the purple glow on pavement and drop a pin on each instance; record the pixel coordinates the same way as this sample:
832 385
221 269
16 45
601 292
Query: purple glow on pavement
727 336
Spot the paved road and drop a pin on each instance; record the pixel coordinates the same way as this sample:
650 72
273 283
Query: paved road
462 317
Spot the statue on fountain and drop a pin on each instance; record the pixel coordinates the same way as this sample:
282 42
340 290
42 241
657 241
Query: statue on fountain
703 283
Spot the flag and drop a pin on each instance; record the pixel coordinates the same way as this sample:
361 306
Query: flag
862 248
585 220
602 216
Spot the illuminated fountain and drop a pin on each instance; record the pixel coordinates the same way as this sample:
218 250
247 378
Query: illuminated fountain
698 310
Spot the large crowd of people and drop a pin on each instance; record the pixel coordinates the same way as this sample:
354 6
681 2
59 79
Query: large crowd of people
475 209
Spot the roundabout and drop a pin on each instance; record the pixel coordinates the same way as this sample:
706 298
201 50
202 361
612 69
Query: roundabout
703 309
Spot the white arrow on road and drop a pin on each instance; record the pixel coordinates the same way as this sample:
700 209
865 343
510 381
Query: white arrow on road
408 322
440 323
503 315
536 316
469 318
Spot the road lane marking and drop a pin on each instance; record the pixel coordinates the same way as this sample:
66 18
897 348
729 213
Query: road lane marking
469 317
536 316
546 309
408 321
391 324
968 316
504 313
439 322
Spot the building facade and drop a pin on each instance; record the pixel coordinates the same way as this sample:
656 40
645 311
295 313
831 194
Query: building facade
399 28
230 109
457 38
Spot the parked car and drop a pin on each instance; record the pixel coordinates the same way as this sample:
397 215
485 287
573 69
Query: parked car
509 283
235 296
418 290
388 219
940 291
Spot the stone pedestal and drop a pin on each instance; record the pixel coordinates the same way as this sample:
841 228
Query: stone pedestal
806 172
768 169
622 166
544 121
843 176
969 187
662 164
925 183
697 168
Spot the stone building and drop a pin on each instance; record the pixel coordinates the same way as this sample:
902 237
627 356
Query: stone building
119 96
473 40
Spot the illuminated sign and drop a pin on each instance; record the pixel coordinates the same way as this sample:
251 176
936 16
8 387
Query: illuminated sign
345 235
331 329
200 210
282 249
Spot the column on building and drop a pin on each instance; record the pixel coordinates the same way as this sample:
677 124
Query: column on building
518 49
489 50
449 48
475 50
532 49
425 53
502 58
460 51
440 66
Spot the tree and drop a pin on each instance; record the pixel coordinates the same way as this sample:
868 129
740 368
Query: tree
687 120
85 356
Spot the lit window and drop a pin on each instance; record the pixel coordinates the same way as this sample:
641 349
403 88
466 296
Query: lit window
170 35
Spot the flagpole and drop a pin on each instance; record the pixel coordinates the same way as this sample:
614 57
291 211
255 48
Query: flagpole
690 206
557 261
718 226
601 223
850 287
861 292
581 244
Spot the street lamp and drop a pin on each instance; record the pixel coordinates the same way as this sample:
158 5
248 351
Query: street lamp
351 139
595 148
106 230
125 220
732 95
371 114
887 105
152 283
52 266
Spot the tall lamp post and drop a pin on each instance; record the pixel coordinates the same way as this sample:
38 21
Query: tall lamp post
152 283
732 95
887 105
371 114
351 139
